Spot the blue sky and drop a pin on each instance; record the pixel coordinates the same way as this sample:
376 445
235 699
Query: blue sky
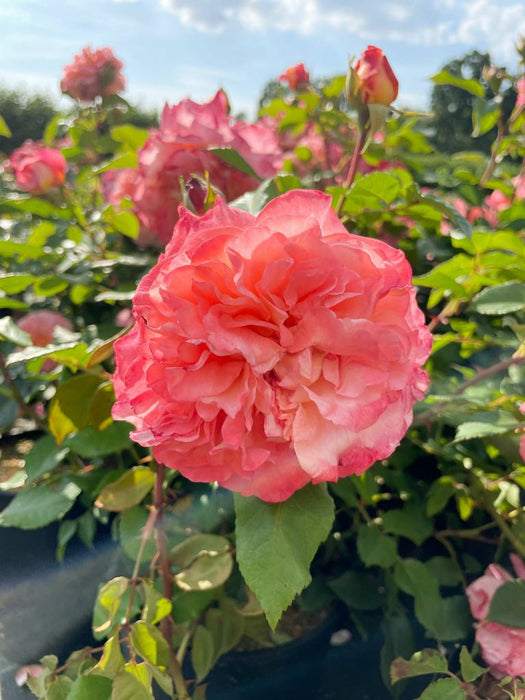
177 48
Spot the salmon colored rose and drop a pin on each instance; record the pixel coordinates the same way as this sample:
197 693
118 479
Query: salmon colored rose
502 647
297 77
272 351
179 150
36 168
40 325
377 83
92 74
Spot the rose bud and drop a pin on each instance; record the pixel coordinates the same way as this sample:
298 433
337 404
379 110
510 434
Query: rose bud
297 77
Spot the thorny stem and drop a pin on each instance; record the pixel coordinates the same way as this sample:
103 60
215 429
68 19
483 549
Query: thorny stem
146 534
480 376
24 407
352 169
175 669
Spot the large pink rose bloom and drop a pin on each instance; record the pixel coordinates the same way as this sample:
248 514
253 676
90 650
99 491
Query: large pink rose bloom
37 169
272 351
92 74
178 151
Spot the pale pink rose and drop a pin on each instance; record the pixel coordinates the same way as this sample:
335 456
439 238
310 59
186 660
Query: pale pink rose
25 672
124 318
519 186
92 74
272 351
178 151
40 325
495 203
503 648
297 77
480 591
36 168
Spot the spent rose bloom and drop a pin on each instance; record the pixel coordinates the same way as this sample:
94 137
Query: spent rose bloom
272 351
502 647
376 81
297 77
92 74
36 168
178 151
40 325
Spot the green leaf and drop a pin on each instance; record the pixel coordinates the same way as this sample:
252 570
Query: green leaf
4 129
233 157
205 562
281 537
111 661
38 506
486 423
470 670
502 299
202 652
107 604
374 548
357 590
66 531
399 642
156 606
90 687
446 78
101 405
226 626
69 407
485 115
45 455
90 442
127 160
128 687
131 524
409 521
126 223
130 135
427 661
444 689
49 286
128 490
59 689
150 644
439 494
11 332
507 606
447 571
15 283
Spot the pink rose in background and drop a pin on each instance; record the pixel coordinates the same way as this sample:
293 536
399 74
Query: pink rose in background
272 351
520 100
36 168
502 647
40 325
92 74
178 151
297 77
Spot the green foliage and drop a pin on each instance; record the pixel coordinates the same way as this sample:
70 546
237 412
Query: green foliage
25 115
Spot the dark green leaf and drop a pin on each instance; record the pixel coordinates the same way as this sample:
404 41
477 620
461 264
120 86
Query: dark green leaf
507 606
45 455
205 562
470 670
202 652
233 157
91 443
410 522
374 548
444 689
485 115
358 590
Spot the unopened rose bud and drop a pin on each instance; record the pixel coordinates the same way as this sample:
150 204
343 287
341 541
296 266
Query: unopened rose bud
197 194
374 79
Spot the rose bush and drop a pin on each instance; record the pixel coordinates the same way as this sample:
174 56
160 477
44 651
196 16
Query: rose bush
272 351
37 168
93 73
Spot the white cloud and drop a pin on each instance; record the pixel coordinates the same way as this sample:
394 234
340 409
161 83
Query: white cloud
494 24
